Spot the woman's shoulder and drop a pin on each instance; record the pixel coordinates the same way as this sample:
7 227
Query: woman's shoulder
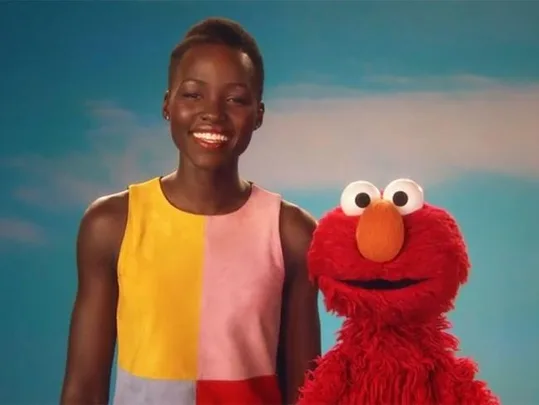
102 228
109 206
297 226
107 215
295 219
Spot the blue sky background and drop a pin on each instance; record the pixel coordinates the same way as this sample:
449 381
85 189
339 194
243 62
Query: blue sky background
446 92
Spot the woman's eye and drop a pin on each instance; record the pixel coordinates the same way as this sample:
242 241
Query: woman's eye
191 95
238 100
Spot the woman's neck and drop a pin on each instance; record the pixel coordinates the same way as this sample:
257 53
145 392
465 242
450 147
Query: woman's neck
206 192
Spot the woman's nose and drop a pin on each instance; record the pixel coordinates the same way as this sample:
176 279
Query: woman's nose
213 110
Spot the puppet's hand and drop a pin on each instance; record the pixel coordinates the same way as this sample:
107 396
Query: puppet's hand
459 386
327 383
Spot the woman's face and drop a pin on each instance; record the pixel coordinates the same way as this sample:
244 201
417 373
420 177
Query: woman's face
213 106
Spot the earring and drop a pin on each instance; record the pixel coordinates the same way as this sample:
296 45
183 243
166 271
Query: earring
167 117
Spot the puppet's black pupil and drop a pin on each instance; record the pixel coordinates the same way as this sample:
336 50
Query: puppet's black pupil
400 198
363 200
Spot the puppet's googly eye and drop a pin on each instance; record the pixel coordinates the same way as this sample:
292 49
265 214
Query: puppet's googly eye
357 196
405 194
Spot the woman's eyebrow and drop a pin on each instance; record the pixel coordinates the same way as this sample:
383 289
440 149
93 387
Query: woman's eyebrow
192 80
238 84
241 85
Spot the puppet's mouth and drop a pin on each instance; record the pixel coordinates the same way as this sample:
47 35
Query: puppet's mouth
382 284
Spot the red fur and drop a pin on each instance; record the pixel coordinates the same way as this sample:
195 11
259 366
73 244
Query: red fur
394 347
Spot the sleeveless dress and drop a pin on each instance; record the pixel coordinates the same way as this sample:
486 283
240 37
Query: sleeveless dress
199 302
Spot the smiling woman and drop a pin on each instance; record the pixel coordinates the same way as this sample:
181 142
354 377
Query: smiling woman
211 80
200 275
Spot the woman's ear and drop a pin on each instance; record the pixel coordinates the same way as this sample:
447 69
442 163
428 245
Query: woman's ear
260 115
165 108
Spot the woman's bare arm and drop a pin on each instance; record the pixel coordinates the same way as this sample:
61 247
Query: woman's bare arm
300 327
92 336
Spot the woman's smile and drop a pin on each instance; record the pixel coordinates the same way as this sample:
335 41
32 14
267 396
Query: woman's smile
210 140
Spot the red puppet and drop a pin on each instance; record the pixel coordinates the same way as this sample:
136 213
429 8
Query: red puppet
392 265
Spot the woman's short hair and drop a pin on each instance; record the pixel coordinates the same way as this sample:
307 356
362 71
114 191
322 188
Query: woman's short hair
220 31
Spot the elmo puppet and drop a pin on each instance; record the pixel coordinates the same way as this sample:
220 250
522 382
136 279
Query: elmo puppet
392 265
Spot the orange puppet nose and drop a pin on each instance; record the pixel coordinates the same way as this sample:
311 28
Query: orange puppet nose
380 232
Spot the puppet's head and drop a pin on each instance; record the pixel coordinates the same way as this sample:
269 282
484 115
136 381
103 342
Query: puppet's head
388 255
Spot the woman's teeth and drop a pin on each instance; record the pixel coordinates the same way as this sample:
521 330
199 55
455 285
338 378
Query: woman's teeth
210 137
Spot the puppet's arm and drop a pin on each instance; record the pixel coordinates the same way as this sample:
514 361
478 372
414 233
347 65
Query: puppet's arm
327 383
459 386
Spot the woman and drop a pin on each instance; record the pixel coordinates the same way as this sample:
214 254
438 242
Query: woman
198 274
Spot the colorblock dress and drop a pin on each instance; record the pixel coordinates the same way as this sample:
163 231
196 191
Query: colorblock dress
199 302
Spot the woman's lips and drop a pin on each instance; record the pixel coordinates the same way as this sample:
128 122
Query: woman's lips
210 140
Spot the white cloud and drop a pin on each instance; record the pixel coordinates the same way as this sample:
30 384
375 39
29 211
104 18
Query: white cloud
427 135
316 136
21 231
